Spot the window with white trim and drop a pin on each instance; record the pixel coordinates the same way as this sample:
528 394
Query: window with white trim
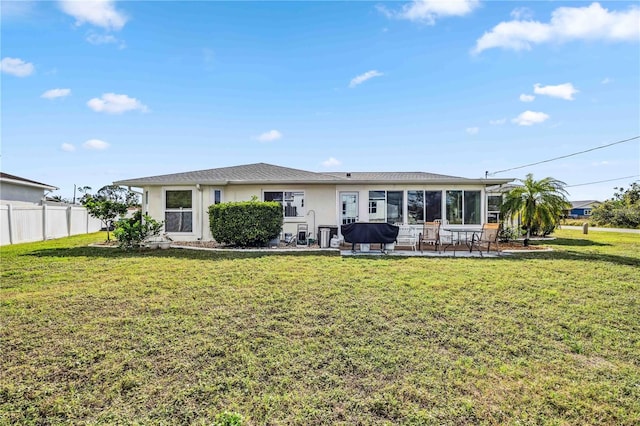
463 207
386 206
494 203
216 195
178 210
292 202
424 206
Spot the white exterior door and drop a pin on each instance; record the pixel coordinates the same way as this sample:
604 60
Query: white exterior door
348 207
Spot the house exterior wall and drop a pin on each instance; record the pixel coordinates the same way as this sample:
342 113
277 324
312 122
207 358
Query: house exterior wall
580 213
321 203
13 192
363 197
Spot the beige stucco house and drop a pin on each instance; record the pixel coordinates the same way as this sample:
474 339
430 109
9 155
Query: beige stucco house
181 200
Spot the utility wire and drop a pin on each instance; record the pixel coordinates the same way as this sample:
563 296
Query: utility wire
565 156
602 181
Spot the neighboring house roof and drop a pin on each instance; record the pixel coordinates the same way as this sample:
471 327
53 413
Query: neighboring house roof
262 173
586 204
17 180
503 188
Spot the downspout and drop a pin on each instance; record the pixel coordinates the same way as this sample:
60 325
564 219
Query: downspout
201 202
313 228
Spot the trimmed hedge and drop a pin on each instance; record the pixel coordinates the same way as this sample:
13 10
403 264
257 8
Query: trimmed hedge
245 223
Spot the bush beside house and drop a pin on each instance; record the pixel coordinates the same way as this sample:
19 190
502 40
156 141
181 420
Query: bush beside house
135 231
245 223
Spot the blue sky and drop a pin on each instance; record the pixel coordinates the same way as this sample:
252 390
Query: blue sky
97 91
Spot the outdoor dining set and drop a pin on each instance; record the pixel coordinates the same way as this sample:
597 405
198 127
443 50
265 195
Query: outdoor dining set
432 235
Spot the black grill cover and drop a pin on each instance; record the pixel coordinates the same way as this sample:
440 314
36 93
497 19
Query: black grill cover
363 232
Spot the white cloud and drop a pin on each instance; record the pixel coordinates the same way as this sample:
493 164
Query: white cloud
529 118
428 11
607 80
68 147
520 13
526 98
364 77
98 39
17 67
567 23
100 13
56 93
473 130
562 91
112 103
331 162
96 144
270 136
498 122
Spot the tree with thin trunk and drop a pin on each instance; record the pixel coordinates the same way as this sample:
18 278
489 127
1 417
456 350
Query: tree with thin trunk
108 203
540 203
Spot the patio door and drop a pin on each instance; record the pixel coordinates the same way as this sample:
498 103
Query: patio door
348 207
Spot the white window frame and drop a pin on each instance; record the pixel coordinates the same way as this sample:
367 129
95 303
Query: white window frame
182 209
379 207
462 207
213 195
301 211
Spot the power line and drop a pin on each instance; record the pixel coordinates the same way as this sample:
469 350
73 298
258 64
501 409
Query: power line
602 181
565 156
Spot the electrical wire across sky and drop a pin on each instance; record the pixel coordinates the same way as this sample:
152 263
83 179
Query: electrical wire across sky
563 156
602 181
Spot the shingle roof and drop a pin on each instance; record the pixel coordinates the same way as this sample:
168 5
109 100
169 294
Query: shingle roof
391 176
248 173
269 173
29 182
583 204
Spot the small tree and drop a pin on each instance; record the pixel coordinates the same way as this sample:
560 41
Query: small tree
108 203
539 203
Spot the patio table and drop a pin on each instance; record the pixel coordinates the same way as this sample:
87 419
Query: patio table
468 241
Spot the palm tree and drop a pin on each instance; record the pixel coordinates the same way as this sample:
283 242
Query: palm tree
539 203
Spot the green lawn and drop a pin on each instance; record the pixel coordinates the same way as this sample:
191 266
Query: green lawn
100 336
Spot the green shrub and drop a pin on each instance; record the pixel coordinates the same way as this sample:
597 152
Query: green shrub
132 233
621 211
245 223
507 234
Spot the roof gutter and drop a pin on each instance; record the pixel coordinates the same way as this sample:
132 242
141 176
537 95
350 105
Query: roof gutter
30 184
321 182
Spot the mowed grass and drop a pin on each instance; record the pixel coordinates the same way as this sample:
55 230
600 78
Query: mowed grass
100 336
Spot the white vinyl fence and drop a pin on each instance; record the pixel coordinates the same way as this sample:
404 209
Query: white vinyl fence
24 223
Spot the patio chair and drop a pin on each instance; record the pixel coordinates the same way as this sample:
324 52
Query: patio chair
406 237
430 235
488 236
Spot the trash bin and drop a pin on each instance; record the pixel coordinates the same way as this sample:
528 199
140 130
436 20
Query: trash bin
324 237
